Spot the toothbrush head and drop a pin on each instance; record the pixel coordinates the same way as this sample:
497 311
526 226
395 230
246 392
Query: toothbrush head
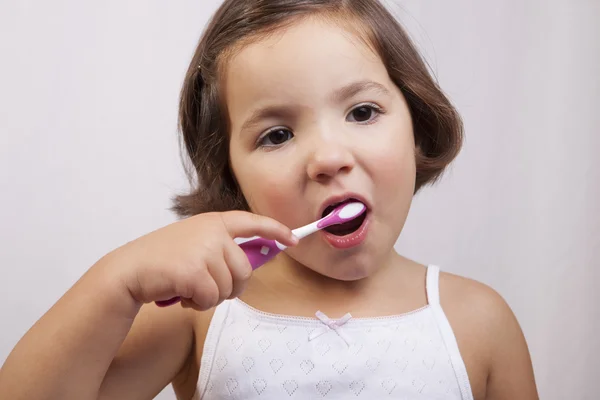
343 213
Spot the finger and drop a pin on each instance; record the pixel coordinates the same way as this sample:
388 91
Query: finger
205 292
239 267
189 304
186 303
218 269
246 224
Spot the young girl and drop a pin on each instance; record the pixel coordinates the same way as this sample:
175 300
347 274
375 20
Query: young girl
288 108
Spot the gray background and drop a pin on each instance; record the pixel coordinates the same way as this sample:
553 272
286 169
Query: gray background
89 156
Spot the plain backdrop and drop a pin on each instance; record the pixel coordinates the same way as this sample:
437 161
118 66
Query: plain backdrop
89 156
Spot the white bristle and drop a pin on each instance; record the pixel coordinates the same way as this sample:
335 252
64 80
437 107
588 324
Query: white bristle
351 210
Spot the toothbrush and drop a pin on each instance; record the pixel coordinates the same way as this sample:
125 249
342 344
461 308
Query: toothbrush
260 250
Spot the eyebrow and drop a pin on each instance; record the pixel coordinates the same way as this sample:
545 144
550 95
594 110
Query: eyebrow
354 88
269 112
287 112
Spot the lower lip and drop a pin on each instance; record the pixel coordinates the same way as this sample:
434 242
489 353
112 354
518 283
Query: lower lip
348 241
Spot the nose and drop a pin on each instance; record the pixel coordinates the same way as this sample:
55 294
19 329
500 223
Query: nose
329 157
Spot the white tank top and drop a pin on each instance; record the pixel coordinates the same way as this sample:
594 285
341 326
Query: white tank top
249 354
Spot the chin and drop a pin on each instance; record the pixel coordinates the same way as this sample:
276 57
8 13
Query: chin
348 271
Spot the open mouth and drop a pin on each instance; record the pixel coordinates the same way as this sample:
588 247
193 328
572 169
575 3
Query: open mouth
346 228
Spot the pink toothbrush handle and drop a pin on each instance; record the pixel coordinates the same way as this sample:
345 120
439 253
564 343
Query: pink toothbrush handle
258 251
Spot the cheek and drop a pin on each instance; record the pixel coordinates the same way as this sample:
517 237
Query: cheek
271 192
398 169
394 160
393 172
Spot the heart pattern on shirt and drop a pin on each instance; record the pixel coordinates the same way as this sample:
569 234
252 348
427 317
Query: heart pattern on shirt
355 348
290 387
401 364
307 366
357 387
276 365
281 328
272 358
264 344
418 384
324 387
384 345
389 385
293 346
253 324
372 364
248 363
237 342
340 367
260 385
429 362
221 363
232 385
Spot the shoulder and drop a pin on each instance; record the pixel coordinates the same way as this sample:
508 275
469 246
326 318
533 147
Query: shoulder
475 312
489 337
474 302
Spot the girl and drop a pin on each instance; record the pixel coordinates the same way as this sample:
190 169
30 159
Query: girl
288 108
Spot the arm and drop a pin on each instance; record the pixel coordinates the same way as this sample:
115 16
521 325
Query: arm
490 340
68 352
511 373
154 352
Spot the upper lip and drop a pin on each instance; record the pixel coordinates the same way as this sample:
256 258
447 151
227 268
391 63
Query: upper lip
341 198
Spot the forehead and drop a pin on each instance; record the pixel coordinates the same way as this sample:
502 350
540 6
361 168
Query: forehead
306 60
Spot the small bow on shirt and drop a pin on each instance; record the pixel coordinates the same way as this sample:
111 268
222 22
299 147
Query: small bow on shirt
331 325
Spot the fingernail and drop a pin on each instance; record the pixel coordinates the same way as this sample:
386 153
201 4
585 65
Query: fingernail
295 239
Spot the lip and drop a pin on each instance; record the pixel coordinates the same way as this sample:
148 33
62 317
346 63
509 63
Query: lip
340 198
351 240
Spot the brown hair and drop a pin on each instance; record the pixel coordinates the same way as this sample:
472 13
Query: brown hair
203 118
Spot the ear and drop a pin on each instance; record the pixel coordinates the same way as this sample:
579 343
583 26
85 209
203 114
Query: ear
418 150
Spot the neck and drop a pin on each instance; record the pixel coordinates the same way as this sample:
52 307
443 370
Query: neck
285 286
291 274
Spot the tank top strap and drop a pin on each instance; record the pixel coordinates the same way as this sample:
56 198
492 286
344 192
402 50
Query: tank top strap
432 285
217 324
433 298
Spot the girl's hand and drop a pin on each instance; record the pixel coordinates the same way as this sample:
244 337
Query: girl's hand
195 259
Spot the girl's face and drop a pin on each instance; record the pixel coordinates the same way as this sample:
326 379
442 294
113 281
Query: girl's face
315 119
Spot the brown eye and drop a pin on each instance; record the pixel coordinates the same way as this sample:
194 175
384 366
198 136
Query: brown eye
276 137
363 114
